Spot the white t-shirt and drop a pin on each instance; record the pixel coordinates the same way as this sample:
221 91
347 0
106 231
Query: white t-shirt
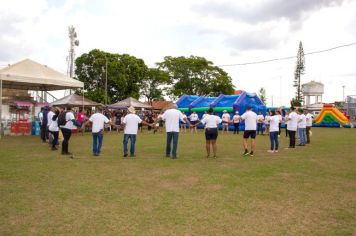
131 122
236 118
274 123
260 118
267 119
49 118
250 120
69 118
40 117
98 120
292 122
172 117
211 121
204 115
302 121
54 125
309 118
193 117
225 117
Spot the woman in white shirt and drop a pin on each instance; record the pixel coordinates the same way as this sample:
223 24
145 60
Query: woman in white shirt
274 121
211 131
53 129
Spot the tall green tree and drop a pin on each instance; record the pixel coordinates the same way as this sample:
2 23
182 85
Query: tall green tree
123 72
262 95
195 75
152 86
299 70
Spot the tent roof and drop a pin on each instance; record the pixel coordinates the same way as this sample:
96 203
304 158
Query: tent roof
75 100
129 102
30 75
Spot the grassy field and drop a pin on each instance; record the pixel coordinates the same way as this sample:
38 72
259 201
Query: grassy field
307 191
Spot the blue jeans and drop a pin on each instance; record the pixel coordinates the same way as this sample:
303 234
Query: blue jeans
172 136
97 142
273 136
301 132
259 128
132 137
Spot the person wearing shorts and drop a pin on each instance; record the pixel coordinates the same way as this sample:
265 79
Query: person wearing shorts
210 122
250 119
194 119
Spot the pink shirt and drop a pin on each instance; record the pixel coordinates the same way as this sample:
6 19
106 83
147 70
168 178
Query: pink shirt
80 117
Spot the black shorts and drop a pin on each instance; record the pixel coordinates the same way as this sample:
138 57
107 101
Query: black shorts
250 134
211 133
194 122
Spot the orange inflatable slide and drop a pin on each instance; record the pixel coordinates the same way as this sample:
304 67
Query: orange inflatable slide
331 115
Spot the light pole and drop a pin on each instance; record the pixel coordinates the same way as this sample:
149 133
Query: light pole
106 80
343 93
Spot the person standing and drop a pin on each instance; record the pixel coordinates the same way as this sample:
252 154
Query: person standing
309 117
260 120
225 121
250 119
44 122
80 117
211 131
194 119
278 113
236 120
266 121
172 116
183 125
98 121
274 121
302 122
292 124
53 128
50 115
66 121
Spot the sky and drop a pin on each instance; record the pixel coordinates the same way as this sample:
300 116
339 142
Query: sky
224 32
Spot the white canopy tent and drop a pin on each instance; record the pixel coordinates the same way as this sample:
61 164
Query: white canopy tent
30 75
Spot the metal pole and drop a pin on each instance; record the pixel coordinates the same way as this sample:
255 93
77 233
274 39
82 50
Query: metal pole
1 107
343 93
83 100
106 81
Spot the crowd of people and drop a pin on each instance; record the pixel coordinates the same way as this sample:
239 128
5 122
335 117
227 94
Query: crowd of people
62 119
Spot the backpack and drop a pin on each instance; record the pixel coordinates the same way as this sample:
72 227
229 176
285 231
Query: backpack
62 118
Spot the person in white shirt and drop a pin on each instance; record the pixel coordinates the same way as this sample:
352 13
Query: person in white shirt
266 121
292 124
274 121
98 120
278 113
302 123
53 128
309 117
172 116
194 119
50 115
131 122
236 120
225 121
211 122
260 120
250 119
183 125
67 130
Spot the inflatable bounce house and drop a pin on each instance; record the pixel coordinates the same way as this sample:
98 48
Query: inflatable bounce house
330 116
230 103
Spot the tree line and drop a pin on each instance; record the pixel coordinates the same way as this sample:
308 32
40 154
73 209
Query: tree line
128 76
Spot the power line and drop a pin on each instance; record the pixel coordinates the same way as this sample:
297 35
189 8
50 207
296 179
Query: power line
287 58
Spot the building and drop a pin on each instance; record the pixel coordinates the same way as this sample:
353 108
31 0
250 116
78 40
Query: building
313 96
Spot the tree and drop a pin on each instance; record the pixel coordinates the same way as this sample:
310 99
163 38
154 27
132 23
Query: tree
262 95
195 75
299 70
124 74
152 84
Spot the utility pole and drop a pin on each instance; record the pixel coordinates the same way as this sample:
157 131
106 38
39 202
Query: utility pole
73 42
343 93
106 81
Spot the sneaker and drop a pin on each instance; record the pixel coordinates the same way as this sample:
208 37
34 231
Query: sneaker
275 150
270 151
54 148
246 153
125 155
132 155
251 154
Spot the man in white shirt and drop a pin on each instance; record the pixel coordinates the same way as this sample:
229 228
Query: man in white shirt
292 125
236 119
131 122
172 117
225 121
260 120
250 119
309 117
194 119
211 131
50 115
302 123
66 129
98 121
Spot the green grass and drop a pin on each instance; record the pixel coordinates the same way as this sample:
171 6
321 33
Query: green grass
307 191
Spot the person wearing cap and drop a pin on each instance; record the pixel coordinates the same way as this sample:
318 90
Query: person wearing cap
194 119
171 117
98 121
236 120
250 119
225 121
131 122
211 123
